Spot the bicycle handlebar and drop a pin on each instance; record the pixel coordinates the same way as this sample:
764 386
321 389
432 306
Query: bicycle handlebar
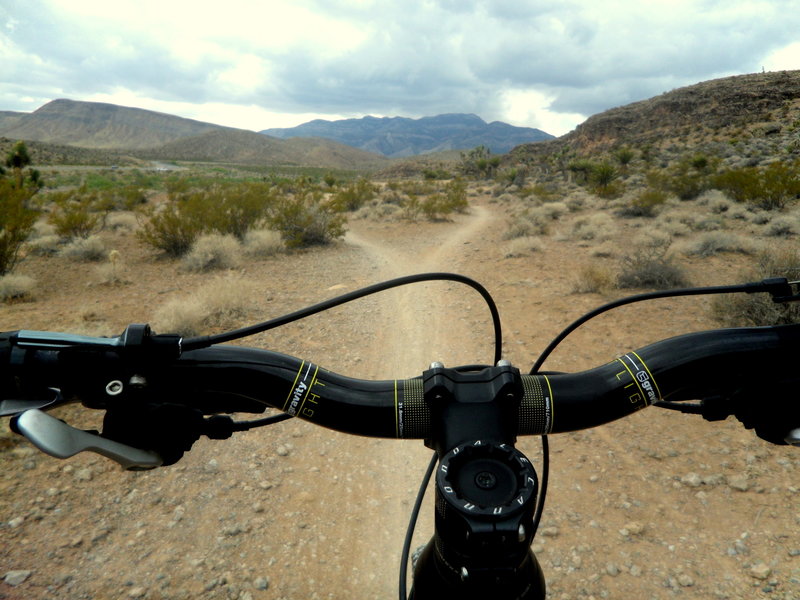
136 370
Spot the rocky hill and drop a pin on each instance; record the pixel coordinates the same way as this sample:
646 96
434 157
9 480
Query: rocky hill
100 125
248 147
759 113
398 137
72 132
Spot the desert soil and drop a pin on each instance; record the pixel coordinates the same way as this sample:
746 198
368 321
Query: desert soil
656 506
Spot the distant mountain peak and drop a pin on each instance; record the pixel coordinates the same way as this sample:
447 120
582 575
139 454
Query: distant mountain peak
398 137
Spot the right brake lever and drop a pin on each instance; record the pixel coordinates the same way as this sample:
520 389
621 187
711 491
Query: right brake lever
56 438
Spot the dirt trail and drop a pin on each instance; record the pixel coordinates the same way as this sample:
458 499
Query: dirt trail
417 318
657 506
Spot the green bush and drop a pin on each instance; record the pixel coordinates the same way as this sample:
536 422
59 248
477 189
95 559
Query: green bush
770 187
304 219
645 203
16 222
173 228
232 209
74 214
354 196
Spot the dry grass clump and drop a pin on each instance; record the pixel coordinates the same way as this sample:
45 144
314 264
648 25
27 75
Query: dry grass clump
716 242
594 278
522 246
529 223
46 245
16 288
745 310
263 243
222 304
90 249
213 251
598 227
783 226
125 222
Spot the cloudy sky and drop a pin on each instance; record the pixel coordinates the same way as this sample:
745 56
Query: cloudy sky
277 63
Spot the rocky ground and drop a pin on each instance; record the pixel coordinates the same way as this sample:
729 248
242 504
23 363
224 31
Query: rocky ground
657 506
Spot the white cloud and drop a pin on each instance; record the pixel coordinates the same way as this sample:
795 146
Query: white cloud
785 59
531 108
540 63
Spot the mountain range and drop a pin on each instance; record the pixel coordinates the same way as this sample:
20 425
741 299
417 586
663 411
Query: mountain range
348 144
400 137
741 115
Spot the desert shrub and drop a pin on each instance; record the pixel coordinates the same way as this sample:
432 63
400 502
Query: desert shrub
479 162
231 209
581 169
213 251
597 226
90 249
110 273
122 221
355 195
17 220
173 228
236 208
594 278
769 187
74 214
552 210
16 288
649 265
527 224
263 243
603 178
46 245
305 219
221 304
645 203
744 310
522 246
781 227
452 199
716 242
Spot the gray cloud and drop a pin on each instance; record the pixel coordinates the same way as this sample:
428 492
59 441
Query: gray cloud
414 59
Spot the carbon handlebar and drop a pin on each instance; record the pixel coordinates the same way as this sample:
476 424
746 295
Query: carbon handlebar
107 373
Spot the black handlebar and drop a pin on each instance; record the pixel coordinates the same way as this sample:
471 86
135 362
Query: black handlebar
139 368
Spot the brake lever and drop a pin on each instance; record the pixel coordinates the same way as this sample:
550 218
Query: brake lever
9 408
56 438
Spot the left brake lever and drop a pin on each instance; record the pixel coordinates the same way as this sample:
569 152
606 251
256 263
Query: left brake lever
56 438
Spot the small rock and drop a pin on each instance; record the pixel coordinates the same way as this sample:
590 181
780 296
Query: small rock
282 450
739 482
612 569
685 580
15 578
631 528
84 474
550 532
16 522
760 571
137 592
692 480
212 466
261 583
